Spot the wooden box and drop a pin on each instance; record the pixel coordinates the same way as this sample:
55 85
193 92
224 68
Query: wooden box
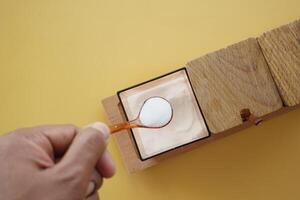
260 75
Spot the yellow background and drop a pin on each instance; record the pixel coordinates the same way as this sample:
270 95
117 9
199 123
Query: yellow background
58 59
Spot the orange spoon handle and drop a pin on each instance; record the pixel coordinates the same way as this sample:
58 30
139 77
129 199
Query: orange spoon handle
119 127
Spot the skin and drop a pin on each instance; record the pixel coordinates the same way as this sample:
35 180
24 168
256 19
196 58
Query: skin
54 162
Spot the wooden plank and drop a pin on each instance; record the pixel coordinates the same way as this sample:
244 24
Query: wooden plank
281 48
125 142
123 138
231 79
227 81
127 148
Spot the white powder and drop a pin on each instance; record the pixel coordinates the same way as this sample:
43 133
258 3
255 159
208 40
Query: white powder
156 112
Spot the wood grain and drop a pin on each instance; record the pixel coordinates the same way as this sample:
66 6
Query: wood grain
231 79
127 147
281 48
227 81
123 139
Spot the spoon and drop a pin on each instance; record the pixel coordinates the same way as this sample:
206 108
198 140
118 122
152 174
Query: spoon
156 112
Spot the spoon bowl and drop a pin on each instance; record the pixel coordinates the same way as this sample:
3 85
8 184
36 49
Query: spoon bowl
156 112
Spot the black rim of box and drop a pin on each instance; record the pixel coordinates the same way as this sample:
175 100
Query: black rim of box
153 79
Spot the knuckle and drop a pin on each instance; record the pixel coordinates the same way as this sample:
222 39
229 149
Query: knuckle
19 131
71 127
71 178
69 182
73 174
22 133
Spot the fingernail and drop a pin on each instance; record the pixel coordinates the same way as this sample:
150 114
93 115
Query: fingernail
103 128
91 189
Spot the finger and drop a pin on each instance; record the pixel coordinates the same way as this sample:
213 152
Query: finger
84 152
60 136
54 139
94 184
91 189
103 128
94 197
106 166
97 178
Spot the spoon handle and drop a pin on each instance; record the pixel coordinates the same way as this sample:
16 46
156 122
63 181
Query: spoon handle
122 126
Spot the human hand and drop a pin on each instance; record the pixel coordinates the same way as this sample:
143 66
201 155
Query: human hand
54 162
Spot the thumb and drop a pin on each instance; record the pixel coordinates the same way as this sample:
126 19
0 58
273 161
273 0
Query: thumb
85 150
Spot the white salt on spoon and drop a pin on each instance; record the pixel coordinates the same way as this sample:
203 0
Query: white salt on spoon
156 112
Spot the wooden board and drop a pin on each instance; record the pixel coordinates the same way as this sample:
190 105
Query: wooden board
125 141
127 147
231 79
126 144
227 81
281 48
